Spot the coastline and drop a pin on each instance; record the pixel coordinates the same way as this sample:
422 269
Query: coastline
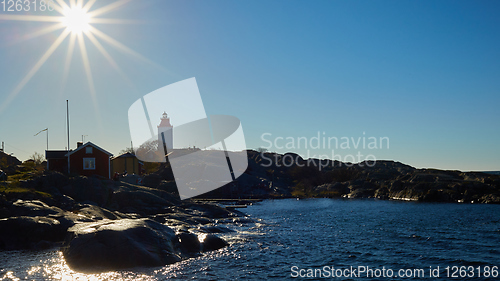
87 217
41 210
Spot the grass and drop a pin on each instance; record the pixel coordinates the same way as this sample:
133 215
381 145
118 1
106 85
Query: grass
13 184
301 193
11 188
22 176
330 194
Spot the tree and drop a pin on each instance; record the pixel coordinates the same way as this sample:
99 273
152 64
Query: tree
37 158
127 150
149 152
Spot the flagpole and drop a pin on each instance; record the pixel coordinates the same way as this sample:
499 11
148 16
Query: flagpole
47 130
67 116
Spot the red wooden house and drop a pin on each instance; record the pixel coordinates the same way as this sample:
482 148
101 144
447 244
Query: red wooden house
87 159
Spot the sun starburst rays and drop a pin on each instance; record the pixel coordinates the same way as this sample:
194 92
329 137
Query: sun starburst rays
31 18
38 33
76 19
34 69
67 62
88 71
88 5
60 8
108 8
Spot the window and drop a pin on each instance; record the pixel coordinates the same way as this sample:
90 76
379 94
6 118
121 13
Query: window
88 149
89 163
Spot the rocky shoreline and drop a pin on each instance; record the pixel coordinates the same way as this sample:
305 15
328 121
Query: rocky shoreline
104 225
272 175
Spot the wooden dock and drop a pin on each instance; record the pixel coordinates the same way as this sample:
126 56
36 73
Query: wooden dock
235 206
230 203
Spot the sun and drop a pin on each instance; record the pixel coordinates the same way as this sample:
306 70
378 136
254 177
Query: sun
76 19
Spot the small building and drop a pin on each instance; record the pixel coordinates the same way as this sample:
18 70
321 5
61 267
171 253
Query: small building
87 159
57 160
126 162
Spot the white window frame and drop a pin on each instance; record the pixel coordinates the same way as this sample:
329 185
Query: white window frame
88 150
92 160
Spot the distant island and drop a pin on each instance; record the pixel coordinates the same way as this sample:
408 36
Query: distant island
272 175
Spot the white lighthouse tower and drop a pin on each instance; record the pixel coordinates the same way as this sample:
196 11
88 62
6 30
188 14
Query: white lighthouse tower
165 133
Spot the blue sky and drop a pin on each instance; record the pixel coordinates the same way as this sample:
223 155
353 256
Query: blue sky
425 74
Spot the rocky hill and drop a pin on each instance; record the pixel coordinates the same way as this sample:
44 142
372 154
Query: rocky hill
8 162
271 175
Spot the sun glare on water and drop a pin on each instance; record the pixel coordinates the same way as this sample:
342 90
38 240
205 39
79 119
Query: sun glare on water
76 19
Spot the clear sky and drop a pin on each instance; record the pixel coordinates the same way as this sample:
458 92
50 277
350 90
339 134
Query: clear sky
424 74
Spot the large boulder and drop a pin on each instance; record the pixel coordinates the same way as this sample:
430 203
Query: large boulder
215 229
29 232
189 242
111 245
212 242
168 186
68 219
138 201
33 208
207 210
88 189
96 213
126 243
32 221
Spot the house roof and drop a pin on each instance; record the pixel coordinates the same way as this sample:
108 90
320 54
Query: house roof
9 157
52 154
124 155
91 144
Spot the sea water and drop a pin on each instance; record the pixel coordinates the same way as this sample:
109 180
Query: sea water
321 238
